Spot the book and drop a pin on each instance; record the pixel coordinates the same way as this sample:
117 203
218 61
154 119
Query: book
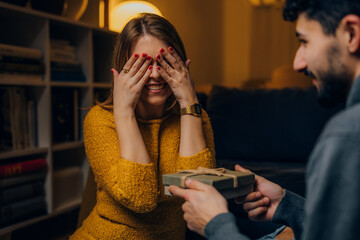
62 51
14 169
22 210
32 134
21 192
68 76
17 51
64 118
14 59
21 179
68 185
65 67
6 141
22 68
18 116
21 77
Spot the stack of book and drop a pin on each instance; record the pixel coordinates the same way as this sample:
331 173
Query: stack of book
64 64
20 63
17 120
65 115
22 193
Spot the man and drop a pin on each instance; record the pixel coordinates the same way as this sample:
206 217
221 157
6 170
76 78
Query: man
329 34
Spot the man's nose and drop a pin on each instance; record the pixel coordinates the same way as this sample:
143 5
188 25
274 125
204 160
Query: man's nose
299 61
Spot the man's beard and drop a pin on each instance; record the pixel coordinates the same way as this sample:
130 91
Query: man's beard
334 83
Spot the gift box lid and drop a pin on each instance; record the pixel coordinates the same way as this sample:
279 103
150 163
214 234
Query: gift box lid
219 182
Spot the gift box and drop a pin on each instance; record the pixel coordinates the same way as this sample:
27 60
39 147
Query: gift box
229 183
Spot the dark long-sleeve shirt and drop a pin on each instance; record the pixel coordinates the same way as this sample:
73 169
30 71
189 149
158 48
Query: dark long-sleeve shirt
332 210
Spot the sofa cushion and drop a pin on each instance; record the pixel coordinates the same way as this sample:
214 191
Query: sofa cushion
266 125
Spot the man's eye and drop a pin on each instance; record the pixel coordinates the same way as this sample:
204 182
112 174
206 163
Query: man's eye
302 41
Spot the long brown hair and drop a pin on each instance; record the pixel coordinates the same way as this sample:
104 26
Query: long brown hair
146 23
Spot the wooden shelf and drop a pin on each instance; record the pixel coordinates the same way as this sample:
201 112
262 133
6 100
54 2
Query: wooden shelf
70 84
102 85
13 9
63 209
24 152
67 145
92 46
22 83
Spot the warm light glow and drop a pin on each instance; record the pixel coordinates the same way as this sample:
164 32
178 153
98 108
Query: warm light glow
101 13
122 13
259 3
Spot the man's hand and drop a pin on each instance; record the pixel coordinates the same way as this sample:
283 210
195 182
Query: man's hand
261 204
202 203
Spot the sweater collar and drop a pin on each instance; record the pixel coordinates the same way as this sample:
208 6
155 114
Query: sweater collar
354 95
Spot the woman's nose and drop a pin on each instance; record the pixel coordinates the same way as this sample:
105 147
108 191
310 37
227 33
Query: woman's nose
154 73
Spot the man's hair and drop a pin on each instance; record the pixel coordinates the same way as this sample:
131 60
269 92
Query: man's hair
328 13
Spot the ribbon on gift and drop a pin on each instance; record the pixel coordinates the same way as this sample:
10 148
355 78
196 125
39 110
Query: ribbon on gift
206 171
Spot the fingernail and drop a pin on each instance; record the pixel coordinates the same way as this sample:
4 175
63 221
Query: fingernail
258 194
112 70
158 56
162 50
171 48
187 182
158 68
144 54
150 67
136 55
148 58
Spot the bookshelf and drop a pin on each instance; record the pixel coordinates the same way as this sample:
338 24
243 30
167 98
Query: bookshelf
93 47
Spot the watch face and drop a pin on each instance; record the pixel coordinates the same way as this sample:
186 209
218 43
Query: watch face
197 108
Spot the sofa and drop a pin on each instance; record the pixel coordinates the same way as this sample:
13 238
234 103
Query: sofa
269 131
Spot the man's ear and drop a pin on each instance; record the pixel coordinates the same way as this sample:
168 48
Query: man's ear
351 23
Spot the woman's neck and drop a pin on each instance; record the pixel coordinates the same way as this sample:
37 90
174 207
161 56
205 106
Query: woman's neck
148 111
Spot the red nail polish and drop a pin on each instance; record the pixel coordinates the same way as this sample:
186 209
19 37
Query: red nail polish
162 50
158 56
150 67
158 68
136 55
148 58
144 54
171 48
112 70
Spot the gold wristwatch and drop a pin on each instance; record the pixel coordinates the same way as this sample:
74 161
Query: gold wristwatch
194 110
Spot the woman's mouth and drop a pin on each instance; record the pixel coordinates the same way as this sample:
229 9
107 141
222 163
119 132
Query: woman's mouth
155 87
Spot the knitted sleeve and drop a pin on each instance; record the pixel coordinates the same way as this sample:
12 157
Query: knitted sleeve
205 158
132 184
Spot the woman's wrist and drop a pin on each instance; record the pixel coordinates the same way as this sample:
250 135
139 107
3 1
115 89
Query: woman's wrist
188 102
124 112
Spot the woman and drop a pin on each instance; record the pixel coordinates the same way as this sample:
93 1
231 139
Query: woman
138 134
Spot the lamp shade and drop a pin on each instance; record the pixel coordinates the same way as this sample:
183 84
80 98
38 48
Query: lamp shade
125 11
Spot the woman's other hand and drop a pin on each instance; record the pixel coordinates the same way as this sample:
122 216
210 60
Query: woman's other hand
173 70
130 81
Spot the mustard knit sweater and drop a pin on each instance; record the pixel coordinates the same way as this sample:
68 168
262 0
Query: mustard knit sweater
130 196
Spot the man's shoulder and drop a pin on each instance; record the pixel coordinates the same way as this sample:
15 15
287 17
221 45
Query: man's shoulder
346 122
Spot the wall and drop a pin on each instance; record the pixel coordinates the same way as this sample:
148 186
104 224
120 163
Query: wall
256 41
229 41
199 24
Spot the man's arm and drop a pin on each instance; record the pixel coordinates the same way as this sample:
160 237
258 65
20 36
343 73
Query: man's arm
206 212
333 188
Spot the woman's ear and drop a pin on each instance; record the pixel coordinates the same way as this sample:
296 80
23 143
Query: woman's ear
352 29
187 63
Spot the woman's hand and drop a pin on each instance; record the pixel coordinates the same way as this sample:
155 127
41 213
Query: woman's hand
129 82
173 70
